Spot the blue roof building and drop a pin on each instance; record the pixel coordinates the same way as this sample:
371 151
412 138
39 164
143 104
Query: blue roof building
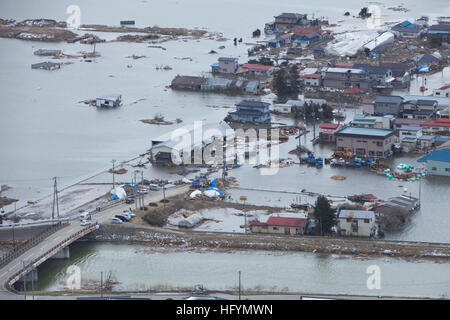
251 111
438 162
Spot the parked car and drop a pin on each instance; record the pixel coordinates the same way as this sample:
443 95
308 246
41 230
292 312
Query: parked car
85 216
143 190
154 187
122 217
116 221
85 223
126 215
129 200
130 213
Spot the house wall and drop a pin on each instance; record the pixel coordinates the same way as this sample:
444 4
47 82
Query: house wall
278 230
364 146
438 168
226 66
387 108
364 228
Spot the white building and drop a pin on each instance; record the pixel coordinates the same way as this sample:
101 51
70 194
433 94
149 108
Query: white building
442 92
109 101
358 223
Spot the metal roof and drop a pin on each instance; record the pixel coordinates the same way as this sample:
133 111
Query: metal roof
356 214
357 131
439 155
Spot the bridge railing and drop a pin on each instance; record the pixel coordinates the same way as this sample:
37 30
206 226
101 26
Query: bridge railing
20 249
34 263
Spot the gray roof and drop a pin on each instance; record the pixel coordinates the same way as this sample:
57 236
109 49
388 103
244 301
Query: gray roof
371 69
426 102
253 104
410 128
388 99
356 214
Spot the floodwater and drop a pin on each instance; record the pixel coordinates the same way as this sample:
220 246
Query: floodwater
170 269
46 132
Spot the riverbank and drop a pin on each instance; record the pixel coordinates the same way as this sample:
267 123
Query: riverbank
188 240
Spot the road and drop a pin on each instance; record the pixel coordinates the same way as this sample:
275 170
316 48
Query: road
73 228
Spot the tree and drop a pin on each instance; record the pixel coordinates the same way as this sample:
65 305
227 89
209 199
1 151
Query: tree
325 215
285 83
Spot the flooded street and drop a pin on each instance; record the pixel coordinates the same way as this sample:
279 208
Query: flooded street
169 269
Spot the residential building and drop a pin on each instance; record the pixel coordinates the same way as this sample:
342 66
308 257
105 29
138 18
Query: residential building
407 202
409 136
365 121
46 66
436 126
177 142
437 162
369 142
400 72
378 75
257 70
368 106
311 80
109 101
279 225
425 142
442 91
328 130
281 108
289 21
356 223
428 59
439 29
251 111
444 113
400 122
342 78
385 104
407 30
225 65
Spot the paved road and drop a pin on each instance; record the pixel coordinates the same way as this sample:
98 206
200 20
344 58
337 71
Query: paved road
73 227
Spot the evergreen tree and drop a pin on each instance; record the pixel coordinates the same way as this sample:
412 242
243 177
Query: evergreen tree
325 215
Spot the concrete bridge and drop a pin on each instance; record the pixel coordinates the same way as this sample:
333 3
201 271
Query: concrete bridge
53 241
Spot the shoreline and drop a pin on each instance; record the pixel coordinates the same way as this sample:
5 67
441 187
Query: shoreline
344 247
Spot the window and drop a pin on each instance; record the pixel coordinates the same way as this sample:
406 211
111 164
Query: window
379 144
366 220
264 227
275 228
447 169
349 220
434 168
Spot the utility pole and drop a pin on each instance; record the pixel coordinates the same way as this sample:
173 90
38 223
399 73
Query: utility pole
55 200
32 282
239 285
243 198
164 199
114 183
24 281
420 191
101 284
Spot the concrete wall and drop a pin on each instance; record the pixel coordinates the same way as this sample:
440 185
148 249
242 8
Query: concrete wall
438 168
364 146
364 228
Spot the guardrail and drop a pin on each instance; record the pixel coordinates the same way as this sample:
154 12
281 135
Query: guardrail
17 251
36 262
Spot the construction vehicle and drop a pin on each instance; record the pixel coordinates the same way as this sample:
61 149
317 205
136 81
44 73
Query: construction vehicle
344 154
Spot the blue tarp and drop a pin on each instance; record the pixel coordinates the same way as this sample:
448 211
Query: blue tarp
213 183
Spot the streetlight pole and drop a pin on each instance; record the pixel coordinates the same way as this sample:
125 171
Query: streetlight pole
164 199
24 281
101 284
113 169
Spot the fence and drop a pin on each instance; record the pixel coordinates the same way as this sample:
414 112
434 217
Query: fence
17 251
34 263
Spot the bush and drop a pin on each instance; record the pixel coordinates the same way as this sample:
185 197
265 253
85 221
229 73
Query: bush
155 218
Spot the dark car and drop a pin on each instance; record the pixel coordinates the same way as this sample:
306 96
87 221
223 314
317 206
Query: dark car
121 217
129 200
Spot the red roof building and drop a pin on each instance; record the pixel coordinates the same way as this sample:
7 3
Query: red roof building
327 131
437 125
258 67
352 90
283 225
344 65
311 76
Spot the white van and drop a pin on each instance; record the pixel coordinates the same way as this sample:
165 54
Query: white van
85 216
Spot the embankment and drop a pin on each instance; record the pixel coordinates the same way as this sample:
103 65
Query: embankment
162 237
